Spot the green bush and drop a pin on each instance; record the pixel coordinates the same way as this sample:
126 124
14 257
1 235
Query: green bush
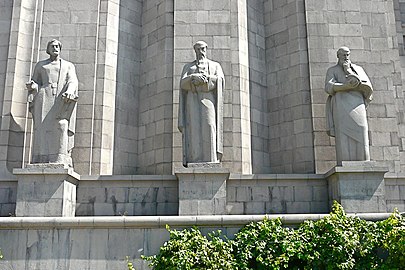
189 249
341 242
392 231
266 245
337 241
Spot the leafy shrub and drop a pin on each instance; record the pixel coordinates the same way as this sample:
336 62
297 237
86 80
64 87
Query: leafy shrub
392 232
337 241
189 249
266 245
341 242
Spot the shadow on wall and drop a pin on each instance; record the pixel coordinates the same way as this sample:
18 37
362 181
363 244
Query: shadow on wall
127 88
15 145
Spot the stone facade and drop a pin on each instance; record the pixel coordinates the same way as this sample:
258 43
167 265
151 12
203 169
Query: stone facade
274 54
102 243
129 55
146 195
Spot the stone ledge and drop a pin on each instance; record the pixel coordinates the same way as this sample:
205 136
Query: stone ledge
18 223
358 167
201 170
44 170
234 176
397 176
134 177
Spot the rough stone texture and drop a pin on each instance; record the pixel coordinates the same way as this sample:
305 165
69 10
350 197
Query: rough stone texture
289 101
8 198
129 55
46 192
6 8
369 29
277 194
13 108
399 9
85 249
127 196
146 195
88 243
202 191
395 192
90 37
358 186
128 81
259 122
155 124
225 29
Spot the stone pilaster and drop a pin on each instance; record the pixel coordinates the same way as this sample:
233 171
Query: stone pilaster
22 37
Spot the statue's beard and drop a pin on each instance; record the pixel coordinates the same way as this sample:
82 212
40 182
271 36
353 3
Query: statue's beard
345 62
201 57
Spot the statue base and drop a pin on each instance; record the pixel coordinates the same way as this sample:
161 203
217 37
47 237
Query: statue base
202 190
358 186
204 165
46 190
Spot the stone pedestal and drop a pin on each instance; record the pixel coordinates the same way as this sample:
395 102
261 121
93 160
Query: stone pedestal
46 190
358 186
202 190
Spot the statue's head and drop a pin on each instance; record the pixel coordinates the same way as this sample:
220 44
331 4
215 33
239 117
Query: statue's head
200 48
53 47
343 54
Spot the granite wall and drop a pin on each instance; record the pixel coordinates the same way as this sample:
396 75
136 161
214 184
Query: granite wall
146 195
291 138
102 243
368 28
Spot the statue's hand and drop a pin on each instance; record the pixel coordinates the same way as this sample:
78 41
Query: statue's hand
353 82
199 78
31 85
69 97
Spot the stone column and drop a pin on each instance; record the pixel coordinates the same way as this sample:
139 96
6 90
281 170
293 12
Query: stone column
46 190
202 190
358 186
21 36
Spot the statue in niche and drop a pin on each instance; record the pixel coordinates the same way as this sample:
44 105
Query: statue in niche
201 108
53 94
350 91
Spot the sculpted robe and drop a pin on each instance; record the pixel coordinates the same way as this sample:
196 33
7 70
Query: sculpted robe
48 108
200 113
346 114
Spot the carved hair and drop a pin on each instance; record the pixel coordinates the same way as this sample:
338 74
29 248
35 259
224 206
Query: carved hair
342 50
50 42
200 43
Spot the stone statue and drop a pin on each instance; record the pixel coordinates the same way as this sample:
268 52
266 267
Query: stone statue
201 109
350 92
53 94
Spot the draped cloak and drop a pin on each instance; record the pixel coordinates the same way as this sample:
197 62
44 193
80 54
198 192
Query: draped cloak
48 107
346 114
201 114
